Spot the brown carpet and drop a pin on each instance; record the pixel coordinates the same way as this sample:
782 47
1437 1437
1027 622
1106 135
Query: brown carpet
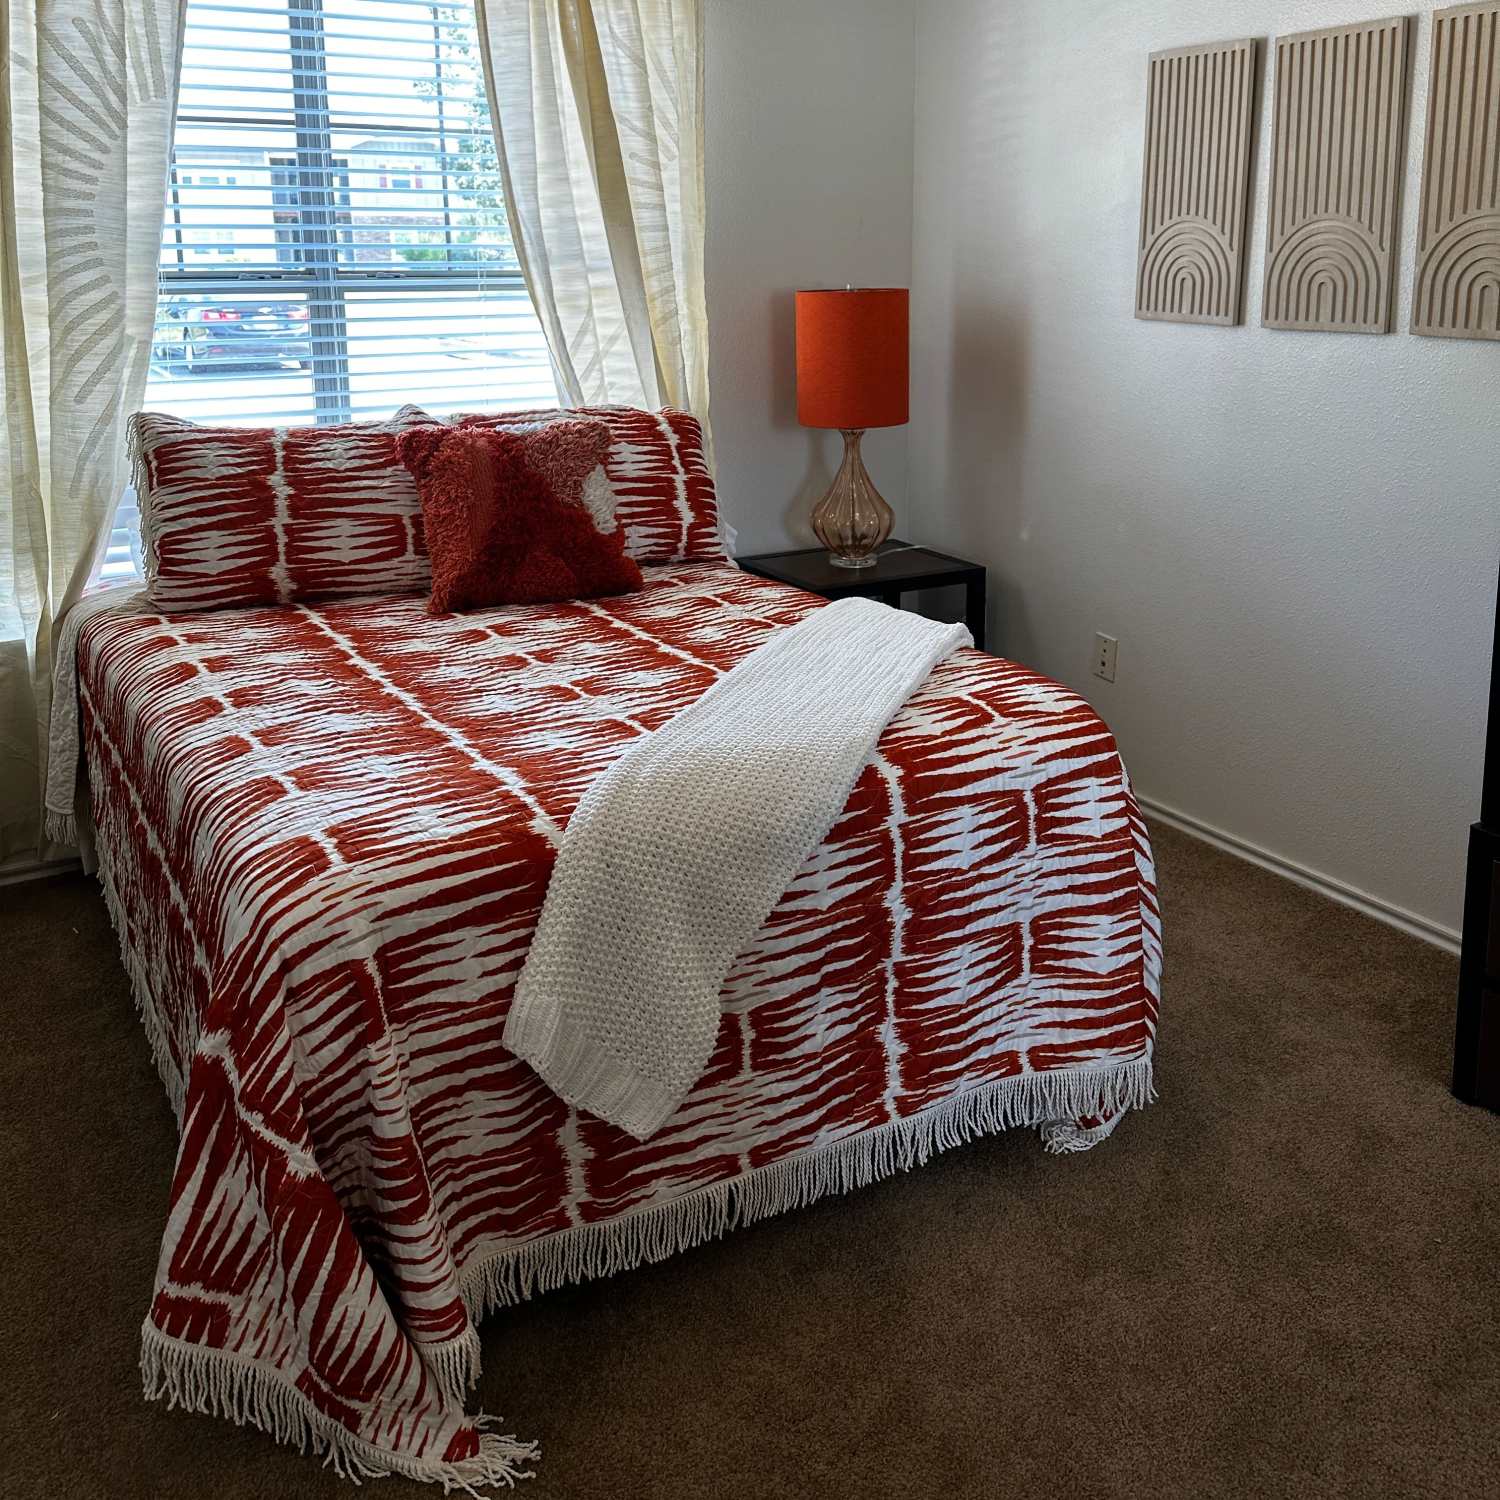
1282 1280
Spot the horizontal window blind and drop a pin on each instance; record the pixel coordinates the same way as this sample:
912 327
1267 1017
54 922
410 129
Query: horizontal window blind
334 242
335 239
121 561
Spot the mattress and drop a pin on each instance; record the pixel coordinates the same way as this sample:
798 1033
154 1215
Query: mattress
325 835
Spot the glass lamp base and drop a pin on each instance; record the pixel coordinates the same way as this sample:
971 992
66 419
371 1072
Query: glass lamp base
852 519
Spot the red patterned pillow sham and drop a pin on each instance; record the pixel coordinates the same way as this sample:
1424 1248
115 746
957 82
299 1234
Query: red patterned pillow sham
505 519
658 473
235 516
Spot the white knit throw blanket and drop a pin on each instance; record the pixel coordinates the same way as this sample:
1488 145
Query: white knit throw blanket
677 854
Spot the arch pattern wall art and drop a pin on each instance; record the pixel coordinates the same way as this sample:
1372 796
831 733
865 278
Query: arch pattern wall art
1200 118
1337 159
1457 292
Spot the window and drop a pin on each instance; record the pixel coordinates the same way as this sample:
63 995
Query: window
334 243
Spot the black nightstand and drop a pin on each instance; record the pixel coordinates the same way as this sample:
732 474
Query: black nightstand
899 567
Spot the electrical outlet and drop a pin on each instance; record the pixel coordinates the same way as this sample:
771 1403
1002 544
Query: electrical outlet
1105 649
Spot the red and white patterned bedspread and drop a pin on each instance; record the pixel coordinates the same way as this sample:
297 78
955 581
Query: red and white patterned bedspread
326 833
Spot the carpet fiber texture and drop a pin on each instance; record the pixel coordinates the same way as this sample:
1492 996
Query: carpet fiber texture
1281 1280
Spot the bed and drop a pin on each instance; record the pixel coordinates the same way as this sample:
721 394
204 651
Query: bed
324 835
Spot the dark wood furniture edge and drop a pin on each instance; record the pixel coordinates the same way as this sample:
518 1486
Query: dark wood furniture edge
891 544
1476 1049
953 572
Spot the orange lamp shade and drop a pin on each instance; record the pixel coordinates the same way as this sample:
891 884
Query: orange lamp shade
852 357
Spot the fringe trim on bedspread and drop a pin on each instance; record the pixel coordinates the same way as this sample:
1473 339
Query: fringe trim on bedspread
455 1363
65 778
223 1384
60 828
1052 1100
140 987
1064 1136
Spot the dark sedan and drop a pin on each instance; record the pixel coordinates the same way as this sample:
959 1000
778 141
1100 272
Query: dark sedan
201 334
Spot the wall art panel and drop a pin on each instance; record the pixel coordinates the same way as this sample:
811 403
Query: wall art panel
1200 116
1337 160
1457 291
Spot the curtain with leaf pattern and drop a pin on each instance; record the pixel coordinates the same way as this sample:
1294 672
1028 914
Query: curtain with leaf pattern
598 115
88 90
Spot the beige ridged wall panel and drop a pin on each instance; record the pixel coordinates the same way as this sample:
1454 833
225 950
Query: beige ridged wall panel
1457 292
1200 114
1337 159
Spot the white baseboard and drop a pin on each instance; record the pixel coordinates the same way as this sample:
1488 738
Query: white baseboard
36 869
1325 885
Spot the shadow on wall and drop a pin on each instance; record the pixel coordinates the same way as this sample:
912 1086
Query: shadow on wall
985 499
811 487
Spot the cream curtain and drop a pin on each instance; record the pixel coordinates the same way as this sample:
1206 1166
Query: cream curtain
88 90
598 111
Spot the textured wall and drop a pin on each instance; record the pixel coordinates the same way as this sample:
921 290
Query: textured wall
1293 535
809 157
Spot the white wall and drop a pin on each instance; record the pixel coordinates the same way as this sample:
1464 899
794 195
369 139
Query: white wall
808 162
1293 535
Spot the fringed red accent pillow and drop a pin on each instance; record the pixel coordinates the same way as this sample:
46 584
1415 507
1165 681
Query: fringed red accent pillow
505 518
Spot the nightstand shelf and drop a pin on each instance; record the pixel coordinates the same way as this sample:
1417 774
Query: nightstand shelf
899 568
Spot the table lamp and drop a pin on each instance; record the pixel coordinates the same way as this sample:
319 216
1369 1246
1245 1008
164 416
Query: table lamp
852 375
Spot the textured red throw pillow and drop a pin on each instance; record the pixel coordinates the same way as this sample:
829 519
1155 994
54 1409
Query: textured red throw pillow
504 516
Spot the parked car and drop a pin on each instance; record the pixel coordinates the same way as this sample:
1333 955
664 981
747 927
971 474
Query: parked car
201 333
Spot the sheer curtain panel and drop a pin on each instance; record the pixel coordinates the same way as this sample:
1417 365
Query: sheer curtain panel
87 94
598 111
